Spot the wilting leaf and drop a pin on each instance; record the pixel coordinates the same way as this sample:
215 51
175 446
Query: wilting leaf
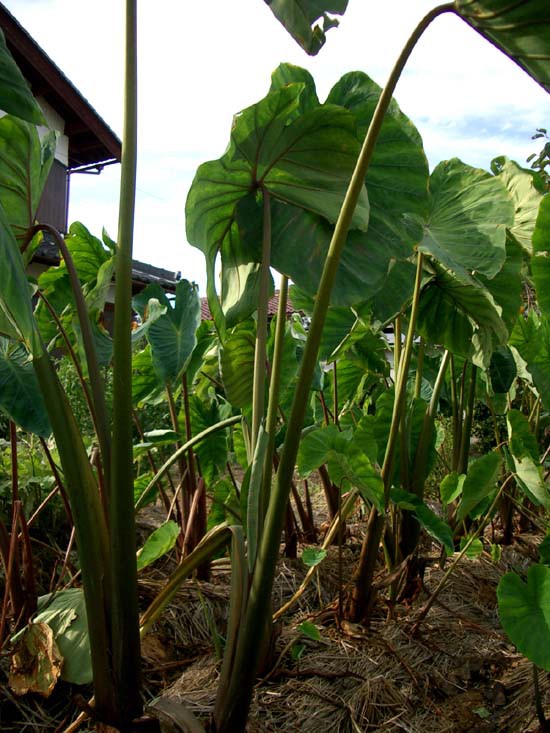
36 661
65 613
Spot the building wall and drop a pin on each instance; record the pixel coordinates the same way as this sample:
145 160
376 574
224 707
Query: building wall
54 205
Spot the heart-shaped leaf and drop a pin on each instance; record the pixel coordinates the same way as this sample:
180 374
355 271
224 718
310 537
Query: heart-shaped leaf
469 213
302 158
524 187
524 610
172 335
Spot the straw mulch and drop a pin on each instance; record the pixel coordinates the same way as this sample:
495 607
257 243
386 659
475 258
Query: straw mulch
459 673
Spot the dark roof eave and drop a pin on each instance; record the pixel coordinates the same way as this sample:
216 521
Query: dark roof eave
48 80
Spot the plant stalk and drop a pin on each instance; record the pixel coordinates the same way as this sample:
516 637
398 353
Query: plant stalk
98 407
125 650
258 390
273 400
181 451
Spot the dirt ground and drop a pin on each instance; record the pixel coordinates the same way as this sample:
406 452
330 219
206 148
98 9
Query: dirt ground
458 673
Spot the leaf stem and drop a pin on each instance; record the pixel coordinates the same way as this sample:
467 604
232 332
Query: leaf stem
125 649
258 393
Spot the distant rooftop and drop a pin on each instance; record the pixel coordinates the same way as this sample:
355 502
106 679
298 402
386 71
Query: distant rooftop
91 140
272 307
142 274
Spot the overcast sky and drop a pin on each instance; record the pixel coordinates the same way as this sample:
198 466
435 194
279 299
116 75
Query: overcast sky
199 63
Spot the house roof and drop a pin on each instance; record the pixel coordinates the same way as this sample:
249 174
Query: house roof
142 274
91 140
272 307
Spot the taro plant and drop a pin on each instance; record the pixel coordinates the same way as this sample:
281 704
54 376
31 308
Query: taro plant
283 181
519 39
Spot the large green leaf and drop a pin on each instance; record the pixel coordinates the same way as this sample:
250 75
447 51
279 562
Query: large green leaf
469 213
237 365
524 610
531 337
479 483
506 285
307 21
362 269
15 94
20 395
93 262
518 29
159 542
525 455
457 311
397 178
540 262
525 188
173 335
15 295
305 160
25 163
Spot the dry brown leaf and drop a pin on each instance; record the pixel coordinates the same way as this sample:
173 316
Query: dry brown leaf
36 662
